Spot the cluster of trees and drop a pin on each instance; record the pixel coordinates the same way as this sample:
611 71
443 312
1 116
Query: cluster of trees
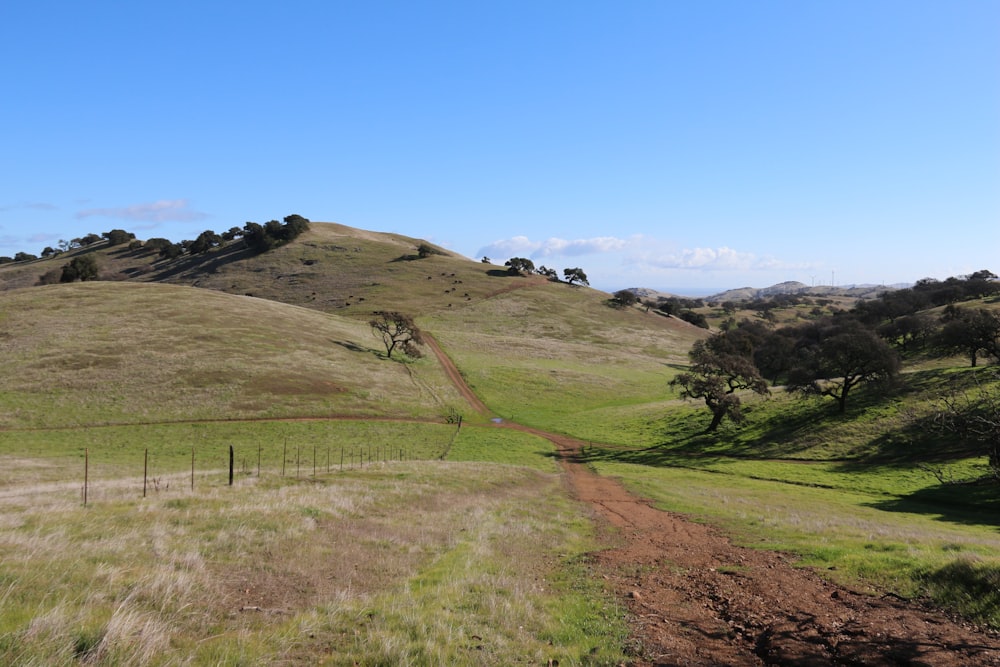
681 308
675 306
519 266
272 234
259 238
830 357
835 354
255 236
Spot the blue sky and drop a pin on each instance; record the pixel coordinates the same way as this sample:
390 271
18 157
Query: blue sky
675 144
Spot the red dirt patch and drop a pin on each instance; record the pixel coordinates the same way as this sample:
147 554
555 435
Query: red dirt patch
698 599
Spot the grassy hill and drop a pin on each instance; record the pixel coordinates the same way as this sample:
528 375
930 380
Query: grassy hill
331 267
333 522
285 333
117 353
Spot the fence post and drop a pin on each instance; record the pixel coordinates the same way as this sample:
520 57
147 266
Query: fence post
192 467
258 459
284 455
145 470
86 473
230 465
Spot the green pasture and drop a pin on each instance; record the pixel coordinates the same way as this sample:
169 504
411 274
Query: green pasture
886 529
389 561
298 448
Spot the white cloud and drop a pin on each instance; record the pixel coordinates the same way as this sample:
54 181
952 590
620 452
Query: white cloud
519 246
645 261
172 210
516 246
601 244
709 258
712 259
30 205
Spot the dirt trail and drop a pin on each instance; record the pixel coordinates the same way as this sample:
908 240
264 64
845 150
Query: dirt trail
451 370
696 599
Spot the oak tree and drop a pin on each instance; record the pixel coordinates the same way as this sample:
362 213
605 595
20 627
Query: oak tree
718 372
396 330
833 357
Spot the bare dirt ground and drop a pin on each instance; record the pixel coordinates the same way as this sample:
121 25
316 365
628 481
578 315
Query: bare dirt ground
697 599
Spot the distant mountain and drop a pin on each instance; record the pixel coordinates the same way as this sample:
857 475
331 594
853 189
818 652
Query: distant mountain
788 287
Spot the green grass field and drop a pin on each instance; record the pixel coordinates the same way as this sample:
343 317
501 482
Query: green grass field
476 558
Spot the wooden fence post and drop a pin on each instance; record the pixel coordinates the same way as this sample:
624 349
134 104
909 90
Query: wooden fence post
145 470
86 473
230 465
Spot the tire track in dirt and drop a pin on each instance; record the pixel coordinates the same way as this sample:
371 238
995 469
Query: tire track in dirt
451 370
696 599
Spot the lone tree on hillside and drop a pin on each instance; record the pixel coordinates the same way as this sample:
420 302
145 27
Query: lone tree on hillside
426 250
624 298
547 272
81 268
717 373
517 266
575 275
832 358
397 331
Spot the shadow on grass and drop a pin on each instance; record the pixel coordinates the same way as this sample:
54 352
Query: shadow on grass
206 263
354 347
973 588
976 504
658 456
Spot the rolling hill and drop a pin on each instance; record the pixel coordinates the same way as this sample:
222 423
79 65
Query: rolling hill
468 526
232 334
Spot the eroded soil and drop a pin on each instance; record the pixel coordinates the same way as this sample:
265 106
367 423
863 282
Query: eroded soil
698 599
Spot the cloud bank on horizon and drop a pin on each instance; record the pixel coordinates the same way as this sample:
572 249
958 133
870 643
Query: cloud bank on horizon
641 257
176 210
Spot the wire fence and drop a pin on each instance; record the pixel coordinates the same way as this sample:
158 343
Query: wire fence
116 467
296 463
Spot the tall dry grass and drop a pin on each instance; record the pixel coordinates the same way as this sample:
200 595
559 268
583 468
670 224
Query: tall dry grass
402 563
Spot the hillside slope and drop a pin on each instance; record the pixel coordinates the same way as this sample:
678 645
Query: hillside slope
100 352
146 346
331 267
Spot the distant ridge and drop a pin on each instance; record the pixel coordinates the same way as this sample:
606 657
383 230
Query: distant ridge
787 287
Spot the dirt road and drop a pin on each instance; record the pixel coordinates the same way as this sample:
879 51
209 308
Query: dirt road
697 599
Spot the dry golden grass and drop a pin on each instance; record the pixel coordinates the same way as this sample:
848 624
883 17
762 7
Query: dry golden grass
401 563
92 353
